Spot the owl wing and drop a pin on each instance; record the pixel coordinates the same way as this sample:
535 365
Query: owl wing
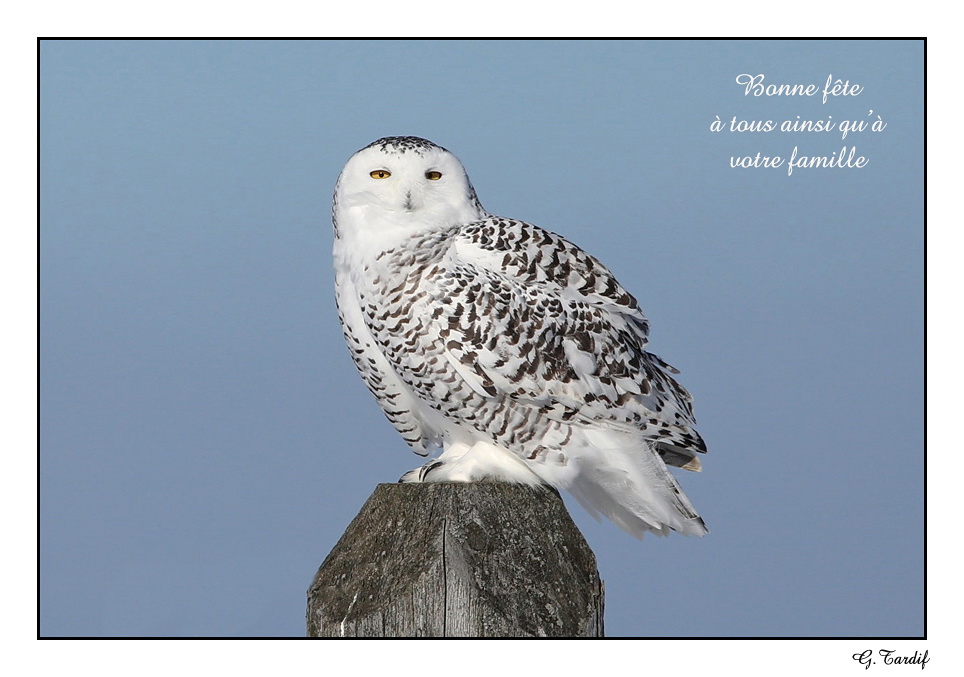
530 316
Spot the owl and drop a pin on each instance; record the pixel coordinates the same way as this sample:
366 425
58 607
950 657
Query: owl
501 350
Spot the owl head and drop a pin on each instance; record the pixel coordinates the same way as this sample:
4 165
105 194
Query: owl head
401 182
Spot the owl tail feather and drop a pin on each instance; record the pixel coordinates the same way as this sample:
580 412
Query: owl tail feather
625 480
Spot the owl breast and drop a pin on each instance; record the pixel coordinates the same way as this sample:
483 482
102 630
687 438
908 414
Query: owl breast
404 311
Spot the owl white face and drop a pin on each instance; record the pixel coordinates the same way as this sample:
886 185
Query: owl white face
403 184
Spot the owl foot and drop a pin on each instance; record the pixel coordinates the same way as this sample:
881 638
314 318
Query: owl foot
482 462
419 474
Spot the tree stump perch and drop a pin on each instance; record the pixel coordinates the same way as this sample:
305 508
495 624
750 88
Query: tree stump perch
479 559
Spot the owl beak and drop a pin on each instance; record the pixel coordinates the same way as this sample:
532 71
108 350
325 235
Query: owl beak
409 205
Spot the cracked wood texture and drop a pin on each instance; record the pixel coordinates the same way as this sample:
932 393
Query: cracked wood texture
479 559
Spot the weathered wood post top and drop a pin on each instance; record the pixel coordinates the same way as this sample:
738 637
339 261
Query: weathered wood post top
484 559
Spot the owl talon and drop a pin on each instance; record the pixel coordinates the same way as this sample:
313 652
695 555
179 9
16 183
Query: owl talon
419 474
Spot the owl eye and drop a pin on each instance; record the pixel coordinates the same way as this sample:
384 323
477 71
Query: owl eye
380 174
433 175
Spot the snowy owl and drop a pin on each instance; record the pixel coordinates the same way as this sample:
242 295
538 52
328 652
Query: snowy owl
504 346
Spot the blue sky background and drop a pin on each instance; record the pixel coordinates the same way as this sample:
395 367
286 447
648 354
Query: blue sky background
205 439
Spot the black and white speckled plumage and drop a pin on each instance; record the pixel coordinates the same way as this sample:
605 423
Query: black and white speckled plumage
504 345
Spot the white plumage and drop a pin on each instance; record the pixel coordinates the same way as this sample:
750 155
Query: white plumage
503 345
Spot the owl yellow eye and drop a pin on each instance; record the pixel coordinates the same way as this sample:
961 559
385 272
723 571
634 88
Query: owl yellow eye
433 176
380 174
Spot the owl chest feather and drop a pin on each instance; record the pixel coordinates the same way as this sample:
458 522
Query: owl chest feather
408 301
385 304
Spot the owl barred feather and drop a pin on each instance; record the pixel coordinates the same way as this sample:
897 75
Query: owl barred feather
503 345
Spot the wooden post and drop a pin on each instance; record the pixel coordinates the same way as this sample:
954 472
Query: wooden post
480 559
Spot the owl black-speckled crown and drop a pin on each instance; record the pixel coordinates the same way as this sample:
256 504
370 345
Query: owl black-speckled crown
403 144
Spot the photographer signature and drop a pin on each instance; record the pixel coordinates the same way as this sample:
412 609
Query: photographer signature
890 657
